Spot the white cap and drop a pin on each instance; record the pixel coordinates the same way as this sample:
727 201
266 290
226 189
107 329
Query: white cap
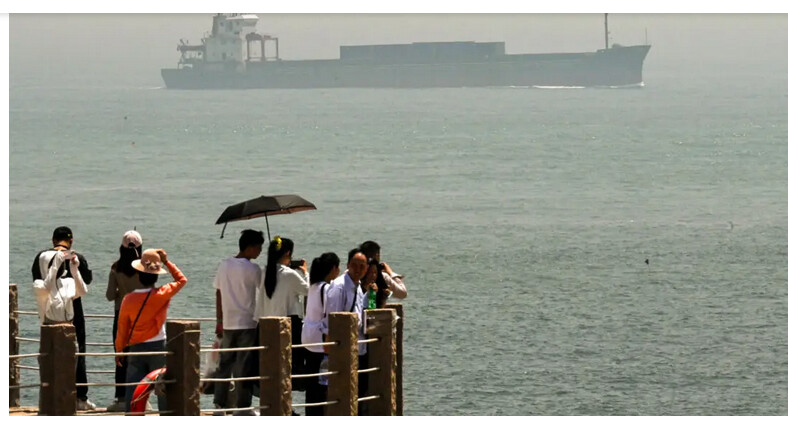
132 237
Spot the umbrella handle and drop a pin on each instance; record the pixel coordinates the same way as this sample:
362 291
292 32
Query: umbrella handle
223 228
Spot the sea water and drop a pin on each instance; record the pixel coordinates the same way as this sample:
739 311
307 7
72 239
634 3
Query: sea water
522 219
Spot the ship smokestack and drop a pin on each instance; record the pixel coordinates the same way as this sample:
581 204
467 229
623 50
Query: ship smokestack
607 33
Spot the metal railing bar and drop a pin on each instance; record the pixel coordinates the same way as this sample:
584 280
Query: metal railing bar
213 410
31 340
314 375
100 372
29 367
371 340
26 386
220 380
124 384
239 349
26 356
368 398
112 316
300 346
316 404
131 413
361 371
126 354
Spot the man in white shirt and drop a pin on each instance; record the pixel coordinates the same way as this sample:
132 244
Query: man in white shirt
345 294
237 279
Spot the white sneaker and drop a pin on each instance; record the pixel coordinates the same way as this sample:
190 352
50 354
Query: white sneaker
246 413
116 406
85 405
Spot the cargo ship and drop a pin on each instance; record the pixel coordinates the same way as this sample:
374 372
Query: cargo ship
233 56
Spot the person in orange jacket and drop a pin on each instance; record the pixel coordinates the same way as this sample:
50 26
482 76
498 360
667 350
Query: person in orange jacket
142 316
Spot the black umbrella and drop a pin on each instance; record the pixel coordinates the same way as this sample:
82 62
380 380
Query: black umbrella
264 205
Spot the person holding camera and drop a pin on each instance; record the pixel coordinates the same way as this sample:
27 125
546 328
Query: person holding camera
62 241
285 285
394 283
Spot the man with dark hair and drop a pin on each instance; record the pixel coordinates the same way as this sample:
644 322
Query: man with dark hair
345 294
394 282
236 282
63 239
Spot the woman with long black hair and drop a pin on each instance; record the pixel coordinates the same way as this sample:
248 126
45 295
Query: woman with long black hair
324 269
123 279
282 295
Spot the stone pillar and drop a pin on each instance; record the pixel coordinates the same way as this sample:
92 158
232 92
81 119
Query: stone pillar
58 363
13 345
275 365
383 382
399 352
343 358
183 367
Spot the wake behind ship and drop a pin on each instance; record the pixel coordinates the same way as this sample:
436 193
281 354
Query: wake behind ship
224 60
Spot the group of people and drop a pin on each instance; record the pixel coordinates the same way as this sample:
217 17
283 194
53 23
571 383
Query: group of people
285 287
288 287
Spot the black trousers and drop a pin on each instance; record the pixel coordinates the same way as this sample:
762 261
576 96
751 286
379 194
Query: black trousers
82 372
363 383
298 355
315 392
120 371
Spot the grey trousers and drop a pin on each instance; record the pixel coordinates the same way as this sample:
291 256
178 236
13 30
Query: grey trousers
237 364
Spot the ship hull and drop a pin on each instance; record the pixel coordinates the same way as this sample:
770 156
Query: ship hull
619 66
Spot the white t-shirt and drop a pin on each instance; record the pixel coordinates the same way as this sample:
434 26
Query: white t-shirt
287 299
238 280
311 333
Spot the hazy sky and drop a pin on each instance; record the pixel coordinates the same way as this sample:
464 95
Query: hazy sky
135 46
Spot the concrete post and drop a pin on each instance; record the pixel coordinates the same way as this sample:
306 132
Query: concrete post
13 345
399 352
343 358
183 366
275 365
58 363
380 325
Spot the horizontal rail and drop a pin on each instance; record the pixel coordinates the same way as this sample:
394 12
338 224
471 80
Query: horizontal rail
96 371
99 316
30 340
221 380
126 354
300 346
314 375
361 371
29 367
26 356
100 344
26 386
213 410
239 349
130 413
368 398
125 384
315 404
371 340
112 316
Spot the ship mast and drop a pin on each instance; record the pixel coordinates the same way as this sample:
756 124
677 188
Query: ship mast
607 33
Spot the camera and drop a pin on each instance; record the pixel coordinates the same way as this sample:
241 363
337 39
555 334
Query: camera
296 264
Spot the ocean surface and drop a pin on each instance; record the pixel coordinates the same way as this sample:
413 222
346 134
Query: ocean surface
521 217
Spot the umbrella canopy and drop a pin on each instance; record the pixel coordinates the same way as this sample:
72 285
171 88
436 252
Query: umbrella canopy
264 205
